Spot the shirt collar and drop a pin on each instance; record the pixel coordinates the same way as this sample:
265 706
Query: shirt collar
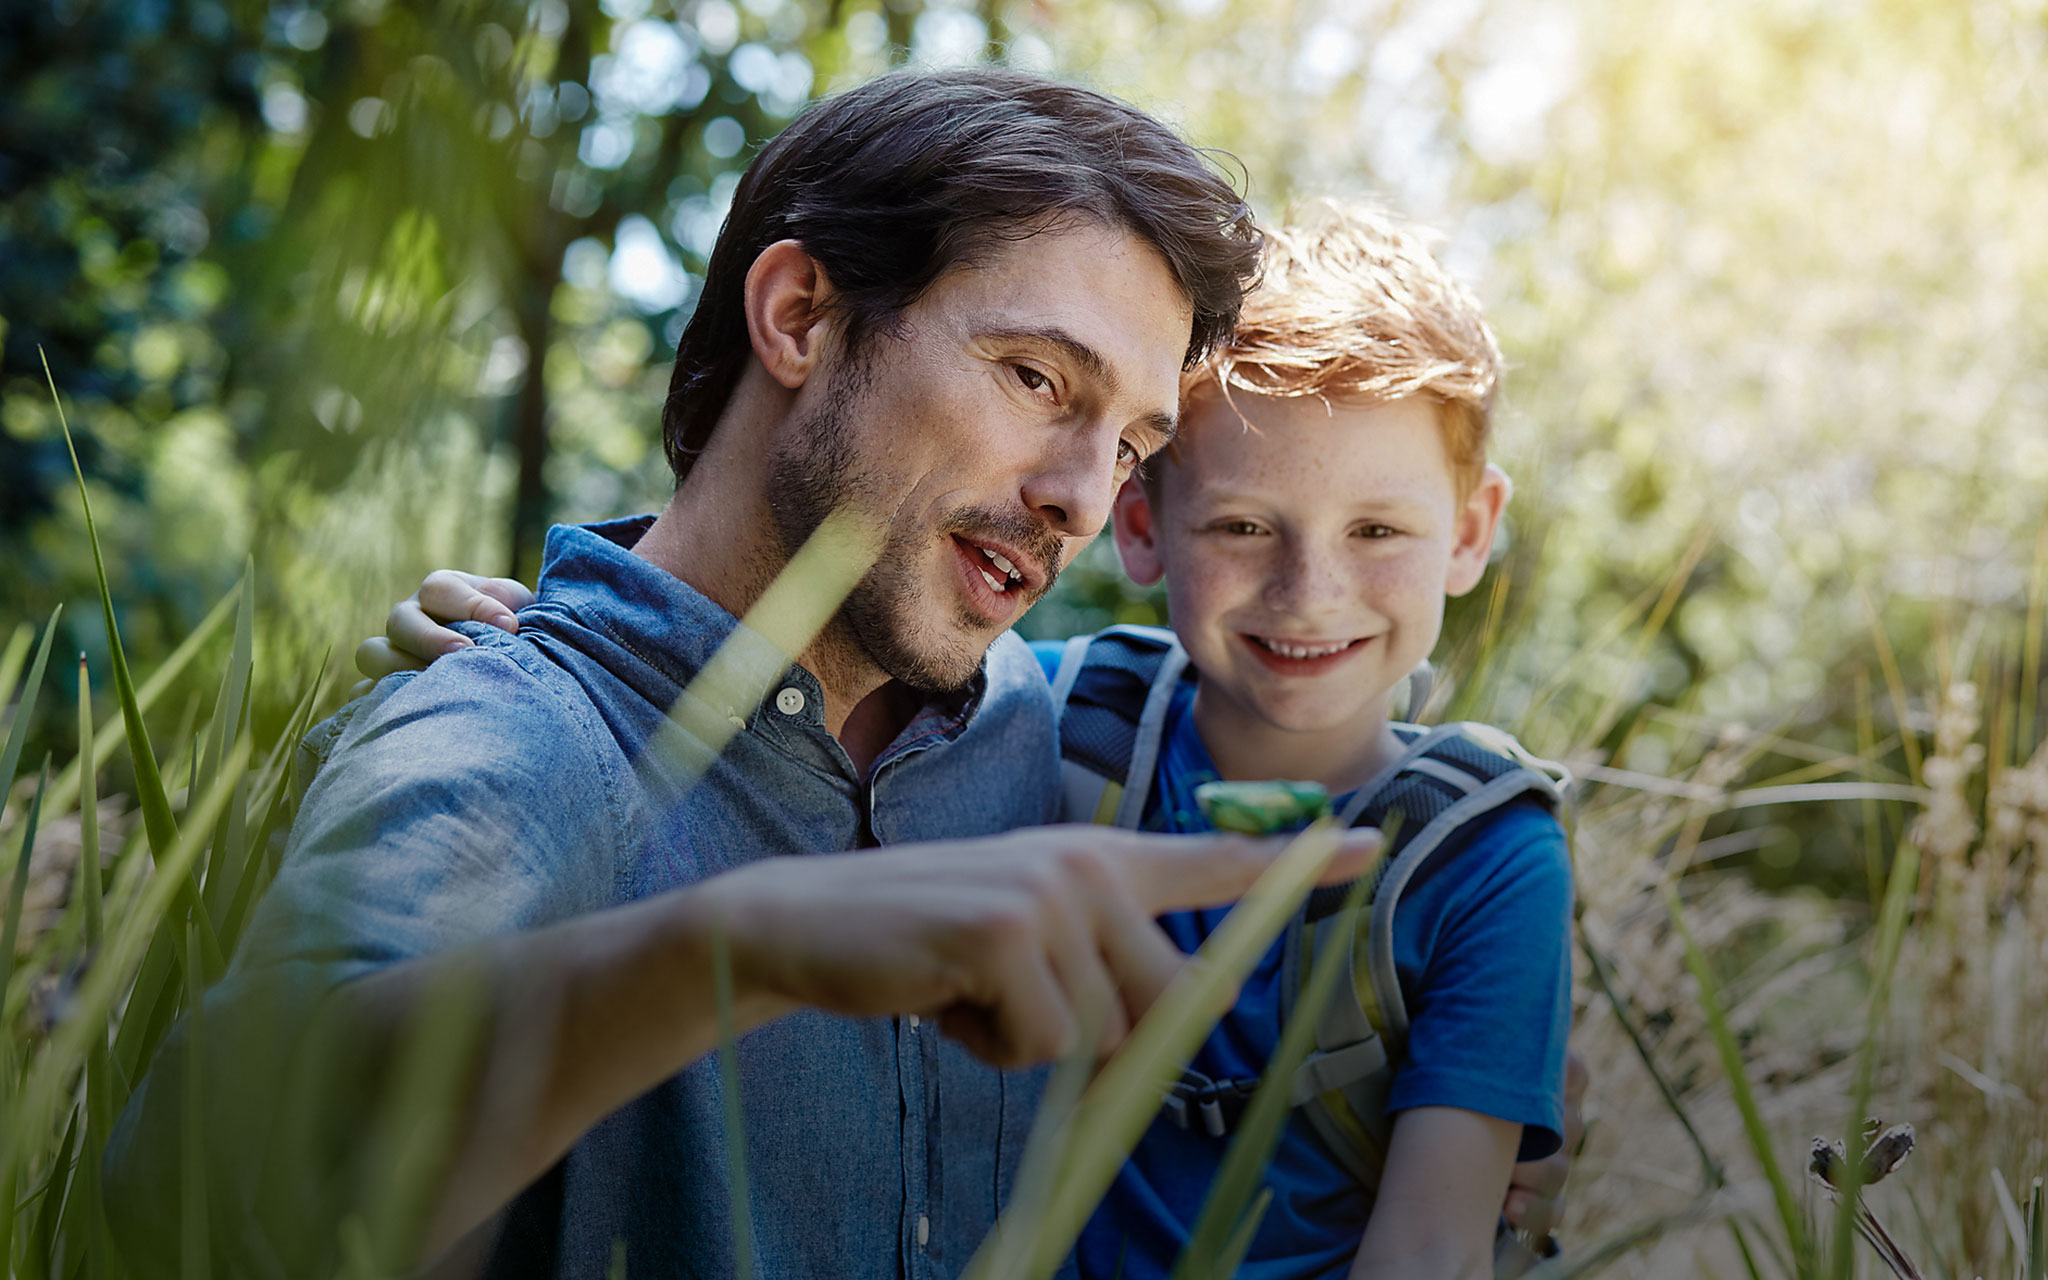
591 570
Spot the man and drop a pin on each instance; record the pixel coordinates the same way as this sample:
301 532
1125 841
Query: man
953 307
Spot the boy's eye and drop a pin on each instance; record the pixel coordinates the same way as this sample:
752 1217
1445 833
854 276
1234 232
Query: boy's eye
1377 531
1243 527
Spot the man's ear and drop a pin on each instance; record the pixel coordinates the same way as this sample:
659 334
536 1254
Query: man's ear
1477 520
788 319
1136 534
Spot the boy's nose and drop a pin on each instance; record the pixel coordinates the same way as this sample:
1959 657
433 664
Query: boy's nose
1306 578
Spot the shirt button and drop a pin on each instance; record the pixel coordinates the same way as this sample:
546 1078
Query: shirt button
924 1231
790 701
913 1022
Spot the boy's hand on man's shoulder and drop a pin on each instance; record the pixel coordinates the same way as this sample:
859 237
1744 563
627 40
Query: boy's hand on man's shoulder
416 631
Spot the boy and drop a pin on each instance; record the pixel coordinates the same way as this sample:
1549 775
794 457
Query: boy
1328 490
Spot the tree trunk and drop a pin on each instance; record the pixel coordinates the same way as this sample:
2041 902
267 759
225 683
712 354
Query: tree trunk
530 421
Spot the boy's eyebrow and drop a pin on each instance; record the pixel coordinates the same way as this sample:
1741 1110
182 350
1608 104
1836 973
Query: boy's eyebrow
1090 362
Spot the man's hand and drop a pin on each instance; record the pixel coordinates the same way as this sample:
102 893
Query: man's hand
1535 1202
414 630
1010 943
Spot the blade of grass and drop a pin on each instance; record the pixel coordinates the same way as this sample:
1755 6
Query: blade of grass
1231 1256
2037 1234
1238 1179
1575 1264
142 913
52 1200
2030 655
2009 1210
1900 886
1933 1246
1745 1098
1121 1102
9 1170
735 1114
99 1114
193 1242
1045 1148
149 784
1653 626
18 887
107 740
1895 684
15 654
17 733
1710 1168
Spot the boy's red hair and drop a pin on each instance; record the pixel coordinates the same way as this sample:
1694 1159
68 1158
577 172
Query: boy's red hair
1354 306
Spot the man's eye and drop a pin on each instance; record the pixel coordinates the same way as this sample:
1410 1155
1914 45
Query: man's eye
1033 380
1127 454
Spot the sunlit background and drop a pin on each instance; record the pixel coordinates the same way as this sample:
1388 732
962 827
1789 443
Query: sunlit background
362 288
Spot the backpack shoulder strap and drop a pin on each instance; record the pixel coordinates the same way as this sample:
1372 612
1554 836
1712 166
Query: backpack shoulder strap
1110 697
1442 783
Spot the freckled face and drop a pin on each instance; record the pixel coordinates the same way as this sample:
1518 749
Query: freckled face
1307 559
991 432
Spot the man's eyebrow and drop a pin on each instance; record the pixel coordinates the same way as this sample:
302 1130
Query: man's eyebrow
1090 362
1088 358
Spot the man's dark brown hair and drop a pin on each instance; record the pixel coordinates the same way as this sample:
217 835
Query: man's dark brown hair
892 184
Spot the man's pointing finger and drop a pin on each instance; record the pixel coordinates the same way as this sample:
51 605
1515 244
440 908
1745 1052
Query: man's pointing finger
1178 873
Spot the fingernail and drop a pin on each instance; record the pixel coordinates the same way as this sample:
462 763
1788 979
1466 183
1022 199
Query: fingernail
458 644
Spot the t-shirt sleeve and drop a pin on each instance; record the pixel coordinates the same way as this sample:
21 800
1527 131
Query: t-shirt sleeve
1483 949
1048 654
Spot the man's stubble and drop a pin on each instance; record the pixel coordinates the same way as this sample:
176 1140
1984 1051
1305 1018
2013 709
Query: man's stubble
886 619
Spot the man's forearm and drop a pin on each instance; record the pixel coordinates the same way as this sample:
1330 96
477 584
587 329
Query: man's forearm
572 1022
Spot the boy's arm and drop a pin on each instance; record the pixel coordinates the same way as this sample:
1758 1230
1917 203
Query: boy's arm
1439 1197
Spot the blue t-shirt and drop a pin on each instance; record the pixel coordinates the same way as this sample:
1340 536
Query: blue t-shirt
1482 949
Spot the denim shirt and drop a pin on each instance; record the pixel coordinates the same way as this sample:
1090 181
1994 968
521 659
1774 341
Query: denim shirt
510 785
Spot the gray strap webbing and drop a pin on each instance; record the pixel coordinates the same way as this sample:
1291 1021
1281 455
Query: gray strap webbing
1130 811
1418 746
1385 982
1323 1073
1072 658
1464 780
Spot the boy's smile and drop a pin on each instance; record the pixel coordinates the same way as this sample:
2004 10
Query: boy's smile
1307 549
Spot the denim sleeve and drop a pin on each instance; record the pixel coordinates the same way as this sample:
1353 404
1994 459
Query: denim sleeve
446 807
1485 949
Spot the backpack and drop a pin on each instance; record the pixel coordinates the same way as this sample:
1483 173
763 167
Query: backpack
1111 694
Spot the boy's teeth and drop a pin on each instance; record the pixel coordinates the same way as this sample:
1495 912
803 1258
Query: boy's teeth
1286 650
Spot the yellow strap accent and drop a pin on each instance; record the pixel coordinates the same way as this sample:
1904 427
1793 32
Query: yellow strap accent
1356 1130
1361 969
1105 808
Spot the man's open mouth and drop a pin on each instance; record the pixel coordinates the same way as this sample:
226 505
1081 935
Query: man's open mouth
997 569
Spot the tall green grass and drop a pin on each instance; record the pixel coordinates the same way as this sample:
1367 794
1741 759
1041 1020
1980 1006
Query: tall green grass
1678 999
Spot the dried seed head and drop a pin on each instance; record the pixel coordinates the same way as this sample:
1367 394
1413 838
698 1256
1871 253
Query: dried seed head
1887 1152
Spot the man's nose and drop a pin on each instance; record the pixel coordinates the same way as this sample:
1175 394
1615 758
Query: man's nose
1076 481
